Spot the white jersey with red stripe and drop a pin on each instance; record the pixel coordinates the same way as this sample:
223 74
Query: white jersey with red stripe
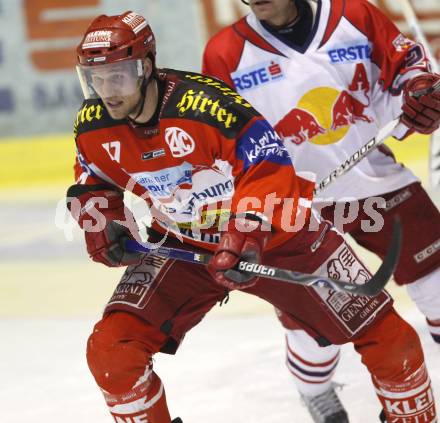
329 97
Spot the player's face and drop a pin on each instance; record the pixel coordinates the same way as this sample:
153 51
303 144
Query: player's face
121 107
117 84
119 89
274 12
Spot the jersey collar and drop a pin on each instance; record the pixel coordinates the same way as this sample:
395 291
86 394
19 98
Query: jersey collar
313 42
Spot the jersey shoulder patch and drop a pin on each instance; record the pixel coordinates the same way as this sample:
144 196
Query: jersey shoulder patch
211 101
91 116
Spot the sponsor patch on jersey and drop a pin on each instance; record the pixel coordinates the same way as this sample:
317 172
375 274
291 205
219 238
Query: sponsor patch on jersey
162 183
350 53
401 43
89 113
148 155
202 103
208 101
261 142
208 218
92 115
216 192
260 74
221 86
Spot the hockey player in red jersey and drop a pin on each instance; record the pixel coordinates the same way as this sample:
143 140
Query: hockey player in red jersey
192 148
346 67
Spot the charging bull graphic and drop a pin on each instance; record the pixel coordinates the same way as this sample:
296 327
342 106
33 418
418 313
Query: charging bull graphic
299 126
323 115
348 110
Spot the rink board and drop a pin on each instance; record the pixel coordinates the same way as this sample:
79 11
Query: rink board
29 162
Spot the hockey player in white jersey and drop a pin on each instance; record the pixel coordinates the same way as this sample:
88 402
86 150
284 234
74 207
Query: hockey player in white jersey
328 75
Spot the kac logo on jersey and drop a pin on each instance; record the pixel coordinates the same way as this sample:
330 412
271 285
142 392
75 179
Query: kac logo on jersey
259 74
180 142
350 54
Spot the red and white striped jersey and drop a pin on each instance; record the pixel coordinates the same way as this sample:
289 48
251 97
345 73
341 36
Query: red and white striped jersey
327 98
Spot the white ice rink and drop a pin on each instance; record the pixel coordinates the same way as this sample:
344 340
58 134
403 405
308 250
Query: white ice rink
230 368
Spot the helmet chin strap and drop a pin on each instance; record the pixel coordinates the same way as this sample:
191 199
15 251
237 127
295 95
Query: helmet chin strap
141 103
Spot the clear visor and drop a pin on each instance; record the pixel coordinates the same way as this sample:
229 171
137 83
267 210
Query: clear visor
117 79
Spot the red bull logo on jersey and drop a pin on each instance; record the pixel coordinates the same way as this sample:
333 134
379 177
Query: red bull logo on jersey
348 110
299 126
324 115
257 75
349 54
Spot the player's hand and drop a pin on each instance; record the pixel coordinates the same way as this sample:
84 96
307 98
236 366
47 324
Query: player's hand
106 223
421 103
243 239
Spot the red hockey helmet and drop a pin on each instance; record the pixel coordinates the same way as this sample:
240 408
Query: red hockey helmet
123 40
114 38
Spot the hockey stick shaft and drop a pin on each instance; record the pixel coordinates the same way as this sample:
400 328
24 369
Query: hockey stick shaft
358 155
434 153
369 288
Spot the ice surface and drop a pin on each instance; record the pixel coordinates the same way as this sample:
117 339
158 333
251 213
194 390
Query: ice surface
230 368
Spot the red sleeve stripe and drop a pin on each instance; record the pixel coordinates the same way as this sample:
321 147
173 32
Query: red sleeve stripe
337 8
249 34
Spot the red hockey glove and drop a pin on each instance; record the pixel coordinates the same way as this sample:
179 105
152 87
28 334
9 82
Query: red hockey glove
243 239
97 213
421 107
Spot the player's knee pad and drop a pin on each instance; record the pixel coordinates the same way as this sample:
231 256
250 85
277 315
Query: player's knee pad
425 292
119 351
390 349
